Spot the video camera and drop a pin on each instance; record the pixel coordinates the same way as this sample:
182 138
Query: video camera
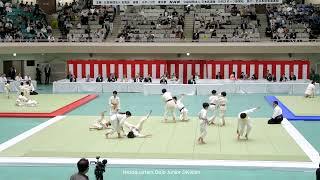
100 168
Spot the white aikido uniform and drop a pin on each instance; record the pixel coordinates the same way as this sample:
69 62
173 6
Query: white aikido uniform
222 106
24 101
117 121
170 105
7 89
245 123
113 99
311 90
136 129
213 104
203 122
100 123
183 110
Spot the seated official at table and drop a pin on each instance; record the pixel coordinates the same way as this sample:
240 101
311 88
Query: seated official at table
125 78
292 77
137 78
269 77
69 75
218 76
283 78
192 80
112 78
277 116
243 76
163 80
72 78
274 78
88 79
148 78
254 77
233 76
99 78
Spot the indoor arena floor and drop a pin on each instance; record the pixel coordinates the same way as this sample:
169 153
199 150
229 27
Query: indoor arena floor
139 105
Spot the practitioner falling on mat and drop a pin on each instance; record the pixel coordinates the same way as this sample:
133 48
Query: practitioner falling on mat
277 116
222 107
135 130
24 101
244 123
180 106
310 91
203 122
170 105
114 103
7 89
213 104
116 123
100 123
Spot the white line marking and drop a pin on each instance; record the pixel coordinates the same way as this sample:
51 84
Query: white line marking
164 162
311 152
29 133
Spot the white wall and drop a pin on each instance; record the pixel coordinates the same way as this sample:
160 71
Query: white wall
312 1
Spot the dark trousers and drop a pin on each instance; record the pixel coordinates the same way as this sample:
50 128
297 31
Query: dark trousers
276 120
47 81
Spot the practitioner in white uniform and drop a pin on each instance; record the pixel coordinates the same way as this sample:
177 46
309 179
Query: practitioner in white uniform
135 130
24 101
311 90
7 89
114 103
277 116
213 104
100 123
222 106
116 123
180 106
170 105
244 122
203 122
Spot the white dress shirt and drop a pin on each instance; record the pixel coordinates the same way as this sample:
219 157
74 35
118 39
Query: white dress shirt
276 111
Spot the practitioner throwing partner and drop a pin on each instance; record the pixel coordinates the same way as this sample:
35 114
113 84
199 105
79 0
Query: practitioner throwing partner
244 122
170 105
116 123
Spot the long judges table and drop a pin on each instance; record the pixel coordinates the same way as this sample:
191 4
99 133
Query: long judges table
289 87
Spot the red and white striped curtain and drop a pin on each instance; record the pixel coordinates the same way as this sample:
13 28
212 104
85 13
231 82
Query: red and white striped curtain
184 69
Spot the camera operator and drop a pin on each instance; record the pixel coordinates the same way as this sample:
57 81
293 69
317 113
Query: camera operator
83 168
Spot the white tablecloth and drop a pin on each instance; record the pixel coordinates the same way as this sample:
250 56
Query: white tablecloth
290 87
15 85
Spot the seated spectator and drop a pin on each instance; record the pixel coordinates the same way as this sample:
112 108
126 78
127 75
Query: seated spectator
292 77
112 78
224 38
18 77
218 76
274 79
148 78
3 78
163 80
27 77
137 78
99 78
283 78
196 76
268 76
192 80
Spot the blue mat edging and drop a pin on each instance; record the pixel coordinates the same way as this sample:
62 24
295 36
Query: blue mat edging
289 114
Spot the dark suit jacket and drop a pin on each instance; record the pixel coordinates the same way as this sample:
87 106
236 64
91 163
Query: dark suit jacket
163 81
47 71
218 77
147 79
318 174
98 79
137 80
191 81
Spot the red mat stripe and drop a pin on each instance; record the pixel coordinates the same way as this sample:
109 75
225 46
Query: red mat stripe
58 112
